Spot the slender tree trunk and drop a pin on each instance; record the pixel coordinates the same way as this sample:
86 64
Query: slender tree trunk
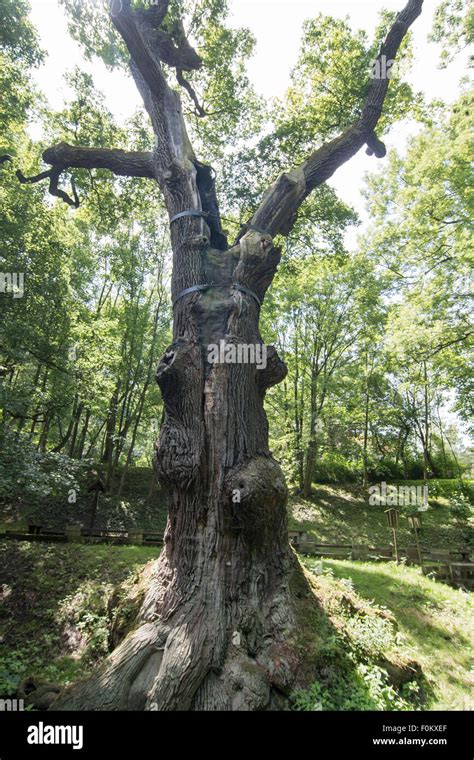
298 416
453 453
312 442
38 412
43 439
109 443
310 463
426 430
82 437
403 453
65 438
138 415
93 440
140 403
365 479
443 448
75 428
35 416
152 489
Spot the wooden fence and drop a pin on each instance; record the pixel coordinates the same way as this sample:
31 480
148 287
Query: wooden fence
455 567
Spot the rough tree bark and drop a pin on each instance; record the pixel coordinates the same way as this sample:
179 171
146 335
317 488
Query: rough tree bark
215 626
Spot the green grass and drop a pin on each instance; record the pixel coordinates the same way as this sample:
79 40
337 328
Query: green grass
435 624
342 515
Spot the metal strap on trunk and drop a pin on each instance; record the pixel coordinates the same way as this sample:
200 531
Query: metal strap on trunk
256 229
188 212
232 285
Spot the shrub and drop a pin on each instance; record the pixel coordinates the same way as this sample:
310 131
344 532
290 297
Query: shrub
366 687
34 476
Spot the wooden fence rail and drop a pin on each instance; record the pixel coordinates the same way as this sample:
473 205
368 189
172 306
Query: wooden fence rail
77 534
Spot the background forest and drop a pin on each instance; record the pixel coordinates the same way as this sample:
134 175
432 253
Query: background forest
375 334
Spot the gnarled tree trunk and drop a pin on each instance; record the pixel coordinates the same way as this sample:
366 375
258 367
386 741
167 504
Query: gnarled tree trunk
216 619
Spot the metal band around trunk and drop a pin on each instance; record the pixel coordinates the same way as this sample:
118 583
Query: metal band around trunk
232 285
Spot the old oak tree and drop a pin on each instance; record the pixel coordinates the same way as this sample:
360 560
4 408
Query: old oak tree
218 624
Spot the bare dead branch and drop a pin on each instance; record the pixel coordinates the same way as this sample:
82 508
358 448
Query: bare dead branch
54 175
55 190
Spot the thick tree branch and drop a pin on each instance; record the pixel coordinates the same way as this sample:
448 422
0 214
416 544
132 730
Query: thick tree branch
63 156
170 47
278 209
184 182
149 45
120 162
173 156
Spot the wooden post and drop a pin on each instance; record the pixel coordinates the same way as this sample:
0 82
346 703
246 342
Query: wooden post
418 547
73 533
96 488
135 537
395 545
95 502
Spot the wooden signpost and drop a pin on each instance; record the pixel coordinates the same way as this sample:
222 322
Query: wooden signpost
392 519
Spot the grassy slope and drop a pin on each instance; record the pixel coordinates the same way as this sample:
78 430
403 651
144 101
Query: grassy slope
335 514
53 601
341 514
53 606
54 622
435 623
